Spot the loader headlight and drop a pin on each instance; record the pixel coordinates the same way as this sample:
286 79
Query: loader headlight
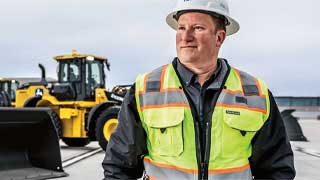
90 58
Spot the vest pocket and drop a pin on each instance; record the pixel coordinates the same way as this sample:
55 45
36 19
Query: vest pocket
244 120
239 127
165 132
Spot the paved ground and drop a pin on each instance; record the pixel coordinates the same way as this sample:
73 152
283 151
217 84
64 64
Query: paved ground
307 162
88 169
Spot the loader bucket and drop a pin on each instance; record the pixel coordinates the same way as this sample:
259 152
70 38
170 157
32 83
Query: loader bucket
292 126
29 145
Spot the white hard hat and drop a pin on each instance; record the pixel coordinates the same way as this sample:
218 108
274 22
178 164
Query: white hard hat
219 7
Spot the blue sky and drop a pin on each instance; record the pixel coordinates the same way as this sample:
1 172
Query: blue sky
278 41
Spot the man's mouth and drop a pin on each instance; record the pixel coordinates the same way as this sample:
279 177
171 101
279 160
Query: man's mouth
183 47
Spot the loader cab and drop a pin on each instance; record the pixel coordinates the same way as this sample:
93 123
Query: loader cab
79 76
9 86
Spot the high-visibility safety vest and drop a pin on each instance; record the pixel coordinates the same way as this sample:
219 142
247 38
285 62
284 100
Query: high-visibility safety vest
240 111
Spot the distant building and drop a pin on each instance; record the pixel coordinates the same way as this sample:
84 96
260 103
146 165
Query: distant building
308 107
289 101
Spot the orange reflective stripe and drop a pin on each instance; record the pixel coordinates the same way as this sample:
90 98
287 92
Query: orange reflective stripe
162 77
232 91
229 170
163 106
259 88
193 171
144 85
241 107
153 178
239 77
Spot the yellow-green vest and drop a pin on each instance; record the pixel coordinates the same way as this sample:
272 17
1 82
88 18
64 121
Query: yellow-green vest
167 120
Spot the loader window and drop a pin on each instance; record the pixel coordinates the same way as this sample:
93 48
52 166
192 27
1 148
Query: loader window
63 73
69 72
74 72
14 87
6 87
94 76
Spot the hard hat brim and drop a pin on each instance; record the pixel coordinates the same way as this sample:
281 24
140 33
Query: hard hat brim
231 28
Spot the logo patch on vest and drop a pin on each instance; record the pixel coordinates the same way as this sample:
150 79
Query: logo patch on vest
240 99
233 112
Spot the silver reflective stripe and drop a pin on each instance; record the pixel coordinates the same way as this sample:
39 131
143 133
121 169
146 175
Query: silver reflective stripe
240 175
249 85
247 79
251 101
161 172
155 75
167 173
159 98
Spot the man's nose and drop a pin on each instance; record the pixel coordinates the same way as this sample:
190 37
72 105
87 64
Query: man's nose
187 35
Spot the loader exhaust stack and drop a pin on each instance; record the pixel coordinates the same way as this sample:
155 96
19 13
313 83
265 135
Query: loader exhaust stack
43 73
29 144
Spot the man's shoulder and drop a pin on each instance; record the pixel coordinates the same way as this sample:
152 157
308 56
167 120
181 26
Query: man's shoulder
155 70
245 74
247 79
153 74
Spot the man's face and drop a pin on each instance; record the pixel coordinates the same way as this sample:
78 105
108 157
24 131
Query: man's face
197 38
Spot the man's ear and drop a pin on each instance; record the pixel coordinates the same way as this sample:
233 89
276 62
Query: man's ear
220 37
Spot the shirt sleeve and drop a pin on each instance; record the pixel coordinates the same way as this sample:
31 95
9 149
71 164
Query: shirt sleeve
127 145
272 156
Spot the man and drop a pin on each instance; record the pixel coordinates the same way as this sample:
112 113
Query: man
198 117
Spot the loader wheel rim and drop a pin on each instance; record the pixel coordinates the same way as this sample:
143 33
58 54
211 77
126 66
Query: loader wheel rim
109 127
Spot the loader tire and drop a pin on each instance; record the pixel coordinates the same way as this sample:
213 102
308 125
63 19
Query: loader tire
105 125
57 123
76 142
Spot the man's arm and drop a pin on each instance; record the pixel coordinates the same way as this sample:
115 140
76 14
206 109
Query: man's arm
272 156
127 145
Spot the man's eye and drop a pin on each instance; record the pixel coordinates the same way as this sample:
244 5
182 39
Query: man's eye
199 28
181 28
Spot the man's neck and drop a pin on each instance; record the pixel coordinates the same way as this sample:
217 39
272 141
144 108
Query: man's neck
203 70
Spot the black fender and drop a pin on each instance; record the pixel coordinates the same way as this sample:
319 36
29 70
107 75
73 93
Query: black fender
292 126
93 115
32 102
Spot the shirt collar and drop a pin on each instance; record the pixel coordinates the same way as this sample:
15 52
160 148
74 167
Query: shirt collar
220 75
186 75
189 77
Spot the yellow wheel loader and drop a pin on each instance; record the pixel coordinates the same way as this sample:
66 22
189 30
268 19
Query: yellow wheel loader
8 88
83 110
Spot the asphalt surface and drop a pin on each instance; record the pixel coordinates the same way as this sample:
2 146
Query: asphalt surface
307 156
88 168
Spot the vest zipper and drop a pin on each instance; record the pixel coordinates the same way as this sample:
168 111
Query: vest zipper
203 139
198 150
207 148
208 135
202 171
